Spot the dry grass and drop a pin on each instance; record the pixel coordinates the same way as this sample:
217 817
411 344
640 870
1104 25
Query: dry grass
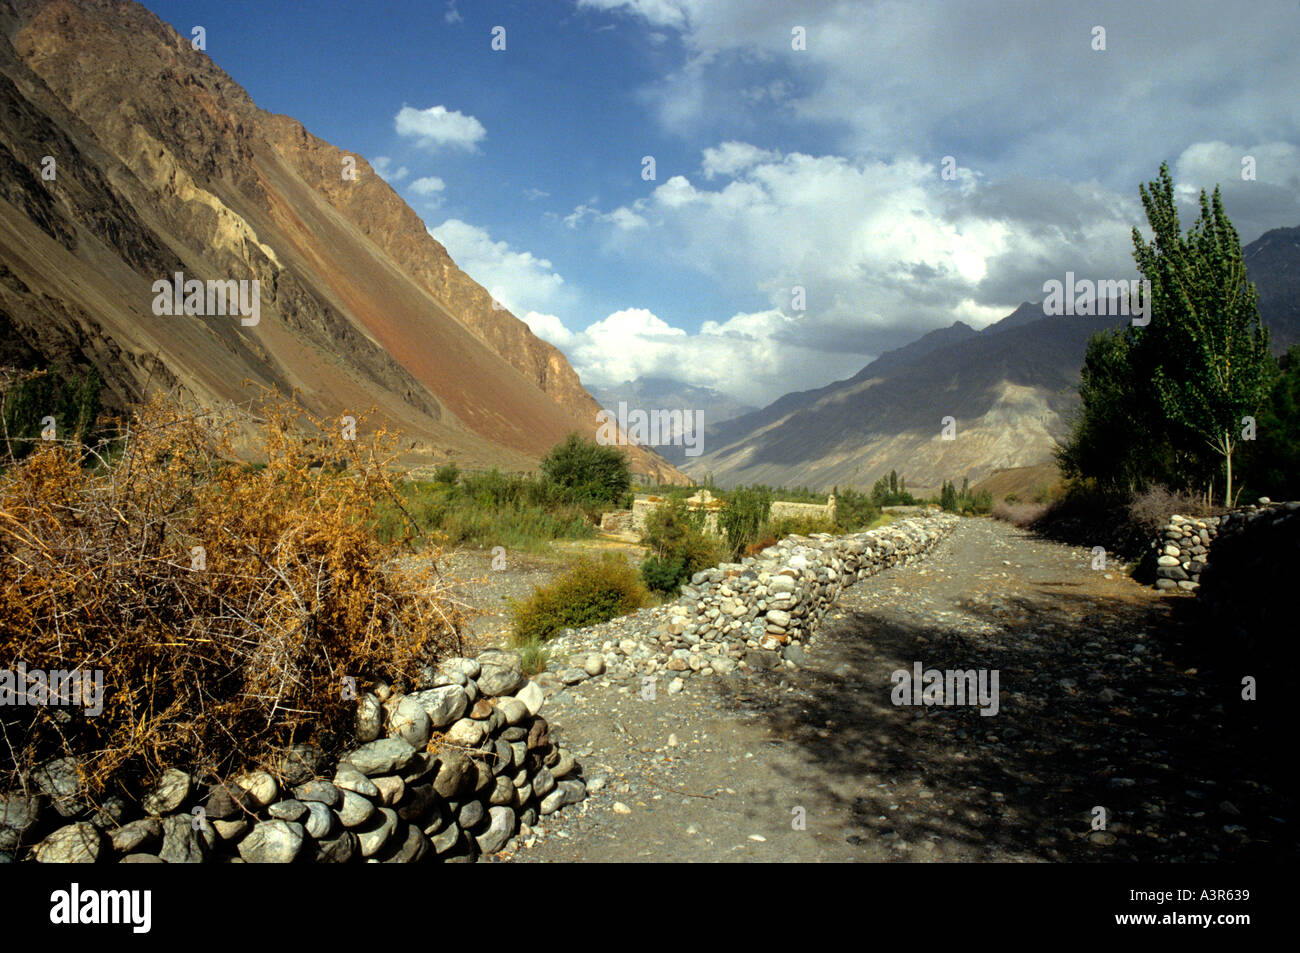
207 665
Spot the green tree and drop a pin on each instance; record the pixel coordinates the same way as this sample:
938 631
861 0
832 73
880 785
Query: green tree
1213 366
1272 460
587 471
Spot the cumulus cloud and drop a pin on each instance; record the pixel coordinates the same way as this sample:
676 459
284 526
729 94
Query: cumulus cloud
548 327
439 127
429 185
1001 86
518 279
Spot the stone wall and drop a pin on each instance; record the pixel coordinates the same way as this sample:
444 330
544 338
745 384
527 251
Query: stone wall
767 605
450 771
644 505
1183 549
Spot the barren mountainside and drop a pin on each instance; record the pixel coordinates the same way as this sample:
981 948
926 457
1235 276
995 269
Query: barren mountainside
163 164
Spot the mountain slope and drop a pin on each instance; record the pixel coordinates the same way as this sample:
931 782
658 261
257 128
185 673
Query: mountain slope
165 165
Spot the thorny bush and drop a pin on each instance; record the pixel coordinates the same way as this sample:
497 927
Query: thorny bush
212 658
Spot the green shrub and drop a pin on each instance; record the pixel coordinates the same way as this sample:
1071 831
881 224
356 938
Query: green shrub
784 526
448 474
592 591
854 511
743 518
588 472
664 575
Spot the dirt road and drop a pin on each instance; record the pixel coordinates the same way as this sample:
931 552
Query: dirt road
1102 703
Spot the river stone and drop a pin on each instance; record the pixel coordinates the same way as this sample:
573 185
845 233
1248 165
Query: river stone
60 780
594 665
348 778
470 814
385 756
778 618
288 810
79 843
502 673
320 791
231 830
562 767
378 832
391 788
552 802
411 723
417 801
20 814
182 844
169 794
355 810
467 732
369 723
468 667
259 786
142 835
500 827
503 792
453 768
408 847
543 782
446 840
337 850
273 842
141 859
442 705
532 696
319 821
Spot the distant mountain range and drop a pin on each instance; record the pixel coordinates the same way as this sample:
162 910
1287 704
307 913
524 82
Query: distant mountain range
1010 389
127 157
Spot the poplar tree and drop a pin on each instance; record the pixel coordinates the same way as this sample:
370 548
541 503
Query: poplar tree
1208 353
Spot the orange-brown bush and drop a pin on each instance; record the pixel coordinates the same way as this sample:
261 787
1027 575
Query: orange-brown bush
214 657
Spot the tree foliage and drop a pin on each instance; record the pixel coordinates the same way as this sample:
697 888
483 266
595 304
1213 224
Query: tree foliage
588 471
1163 403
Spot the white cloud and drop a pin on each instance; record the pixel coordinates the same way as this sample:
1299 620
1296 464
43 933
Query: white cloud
429 185
882 250
383 167
438 127
453 15
732 157
663 13
548 327
518 279
752 356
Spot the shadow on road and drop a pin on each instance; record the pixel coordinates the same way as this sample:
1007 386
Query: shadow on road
1129 707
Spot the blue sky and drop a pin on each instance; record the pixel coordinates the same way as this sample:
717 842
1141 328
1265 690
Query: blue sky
778 168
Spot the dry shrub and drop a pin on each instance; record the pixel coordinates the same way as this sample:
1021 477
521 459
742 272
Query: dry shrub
206 668
1023 515
1150 510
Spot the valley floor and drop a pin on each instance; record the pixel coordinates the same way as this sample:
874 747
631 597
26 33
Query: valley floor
1104 702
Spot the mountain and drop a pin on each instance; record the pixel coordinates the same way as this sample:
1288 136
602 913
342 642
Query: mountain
666 393
1011 389
162 164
